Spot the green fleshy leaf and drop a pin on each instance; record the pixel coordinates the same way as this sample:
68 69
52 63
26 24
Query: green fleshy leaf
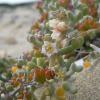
77 42
41 62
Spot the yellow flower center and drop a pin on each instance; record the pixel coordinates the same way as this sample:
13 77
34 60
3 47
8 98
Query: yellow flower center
14 69
86 64
60 92
49 48
26 67
60 74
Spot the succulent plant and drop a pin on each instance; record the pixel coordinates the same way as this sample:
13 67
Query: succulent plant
63 44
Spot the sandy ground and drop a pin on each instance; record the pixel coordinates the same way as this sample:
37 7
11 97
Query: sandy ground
15 23
88 84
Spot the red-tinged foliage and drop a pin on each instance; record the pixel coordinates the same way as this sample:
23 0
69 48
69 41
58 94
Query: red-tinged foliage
39 75
49 74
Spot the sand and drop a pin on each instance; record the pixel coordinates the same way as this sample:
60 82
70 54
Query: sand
15 23
88 84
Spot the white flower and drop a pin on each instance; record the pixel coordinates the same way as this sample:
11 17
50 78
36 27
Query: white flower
56 34
58 25
61 26
49 48
53 23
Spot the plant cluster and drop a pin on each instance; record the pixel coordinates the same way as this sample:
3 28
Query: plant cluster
65 41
